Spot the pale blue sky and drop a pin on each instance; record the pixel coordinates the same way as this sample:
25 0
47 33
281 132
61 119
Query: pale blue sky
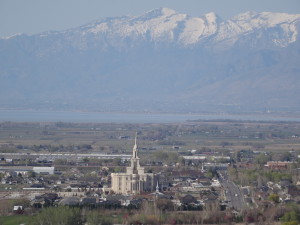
35 16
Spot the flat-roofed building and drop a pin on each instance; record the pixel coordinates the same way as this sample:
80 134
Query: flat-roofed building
43 170
25 169
278 164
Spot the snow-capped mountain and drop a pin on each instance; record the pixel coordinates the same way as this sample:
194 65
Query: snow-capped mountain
160 60
166 26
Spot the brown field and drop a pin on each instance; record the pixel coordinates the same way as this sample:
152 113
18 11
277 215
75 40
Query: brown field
118 138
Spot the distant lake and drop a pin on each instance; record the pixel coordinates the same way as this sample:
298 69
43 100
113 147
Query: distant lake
101 117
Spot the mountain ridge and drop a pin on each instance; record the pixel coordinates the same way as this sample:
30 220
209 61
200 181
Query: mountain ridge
160 61
164 19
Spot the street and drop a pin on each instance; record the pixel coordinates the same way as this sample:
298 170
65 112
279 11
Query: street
233 193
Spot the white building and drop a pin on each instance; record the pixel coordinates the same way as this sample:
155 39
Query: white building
135 180
23 170
43 170
215 183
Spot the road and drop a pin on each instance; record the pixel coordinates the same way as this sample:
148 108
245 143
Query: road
233 193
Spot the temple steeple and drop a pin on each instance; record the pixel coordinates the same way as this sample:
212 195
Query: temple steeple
135 167
157 187
135 180
134 153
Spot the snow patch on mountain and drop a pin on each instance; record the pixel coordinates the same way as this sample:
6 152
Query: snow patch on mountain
12 36
283 25
165 25
193 30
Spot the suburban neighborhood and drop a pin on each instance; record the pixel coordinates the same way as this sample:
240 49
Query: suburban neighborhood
245 186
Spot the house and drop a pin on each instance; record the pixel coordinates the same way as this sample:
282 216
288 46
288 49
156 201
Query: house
246 191
294 191
188 199
278 165
113 203
189 202
44 200
18 209
215 183
60 181
285 183
70 201
118 197
263 193
89 201
211 201
132 203
37 186
203 179
201 186
136 203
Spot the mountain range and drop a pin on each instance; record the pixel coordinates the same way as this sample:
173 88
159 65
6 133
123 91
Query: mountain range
160 61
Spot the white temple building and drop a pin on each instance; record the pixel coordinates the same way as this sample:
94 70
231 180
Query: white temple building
135 180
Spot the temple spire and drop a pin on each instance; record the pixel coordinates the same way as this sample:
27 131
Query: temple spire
135 147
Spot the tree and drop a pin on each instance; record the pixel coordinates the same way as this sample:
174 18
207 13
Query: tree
86 160
291 217
286 156
291 223
166 157
95 218
262 159
165 205
274 198
117 161
59 216
60 162
31 174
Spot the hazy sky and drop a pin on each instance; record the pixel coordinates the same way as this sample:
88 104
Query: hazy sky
34 16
